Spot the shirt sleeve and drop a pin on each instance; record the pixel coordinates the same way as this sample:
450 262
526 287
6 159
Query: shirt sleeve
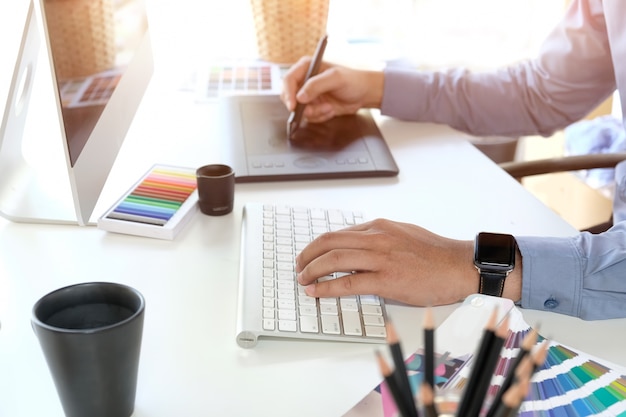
571 75
583 276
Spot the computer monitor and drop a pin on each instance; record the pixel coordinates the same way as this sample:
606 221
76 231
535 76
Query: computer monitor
82 68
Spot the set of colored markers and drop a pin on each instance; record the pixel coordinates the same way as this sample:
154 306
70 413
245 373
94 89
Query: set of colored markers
475 399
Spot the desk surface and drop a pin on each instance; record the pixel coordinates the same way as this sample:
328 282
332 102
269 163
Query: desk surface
190 363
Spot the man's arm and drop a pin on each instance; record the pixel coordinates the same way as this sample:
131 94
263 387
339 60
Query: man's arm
572 74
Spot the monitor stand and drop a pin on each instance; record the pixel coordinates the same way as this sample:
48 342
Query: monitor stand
29 194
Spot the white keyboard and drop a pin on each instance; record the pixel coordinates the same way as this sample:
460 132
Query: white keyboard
273 304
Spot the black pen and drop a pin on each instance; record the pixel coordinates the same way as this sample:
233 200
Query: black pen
293 123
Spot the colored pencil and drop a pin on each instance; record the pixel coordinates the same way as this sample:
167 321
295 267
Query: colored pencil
480 358
512 399
486 373
398 395
429 348
529 341
427 398
400 369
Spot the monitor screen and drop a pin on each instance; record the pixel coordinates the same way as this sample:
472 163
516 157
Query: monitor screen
97 63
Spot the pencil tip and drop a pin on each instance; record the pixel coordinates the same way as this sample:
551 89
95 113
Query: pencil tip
427 395
493 318
530 339
383 366
542 353
392 335
429 321
503 329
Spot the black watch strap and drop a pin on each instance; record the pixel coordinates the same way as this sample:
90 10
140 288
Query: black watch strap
492 283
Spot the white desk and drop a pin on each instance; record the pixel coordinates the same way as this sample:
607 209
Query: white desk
190 364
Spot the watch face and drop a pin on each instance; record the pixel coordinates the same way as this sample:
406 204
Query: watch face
494 251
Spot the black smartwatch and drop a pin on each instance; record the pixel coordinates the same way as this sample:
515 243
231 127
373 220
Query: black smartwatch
494 257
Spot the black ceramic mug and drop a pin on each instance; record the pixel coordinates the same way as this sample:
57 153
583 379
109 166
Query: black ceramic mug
90 334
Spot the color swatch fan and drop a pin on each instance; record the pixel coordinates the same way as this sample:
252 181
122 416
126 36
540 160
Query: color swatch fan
570 383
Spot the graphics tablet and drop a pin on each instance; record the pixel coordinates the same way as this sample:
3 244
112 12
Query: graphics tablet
259 150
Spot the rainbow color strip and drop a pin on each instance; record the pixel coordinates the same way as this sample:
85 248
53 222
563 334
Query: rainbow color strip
157 197
572 385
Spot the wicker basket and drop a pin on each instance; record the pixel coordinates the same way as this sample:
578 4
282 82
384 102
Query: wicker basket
288 29
82 36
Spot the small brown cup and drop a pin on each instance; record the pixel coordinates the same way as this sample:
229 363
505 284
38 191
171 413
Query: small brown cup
216 189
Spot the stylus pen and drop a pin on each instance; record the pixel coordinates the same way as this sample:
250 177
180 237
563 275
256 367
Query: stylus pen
293 123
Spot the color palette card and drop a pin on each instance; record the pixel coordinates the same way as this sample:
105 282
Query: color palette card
158 205
239 78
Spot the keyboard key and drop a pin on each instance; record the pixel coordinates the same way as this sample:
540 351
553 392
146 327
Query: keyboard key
329 309
287 315
317 214
349 305
308 311
308 324
286 295
373 321
370 300
371 310
287 285
352 323
269 324
287 326
330 325
375 331
306 300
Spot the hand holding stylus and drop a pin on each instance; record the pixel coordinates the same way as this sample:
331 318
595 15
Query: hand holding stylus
334 90
293 123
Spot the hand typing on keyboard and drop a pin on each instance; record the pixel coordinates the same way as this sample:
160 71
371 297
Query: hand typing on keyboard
393 260
272 303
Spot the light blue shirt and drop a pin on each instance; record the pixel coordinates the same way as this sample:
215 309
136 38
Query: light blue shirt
582 276
580 64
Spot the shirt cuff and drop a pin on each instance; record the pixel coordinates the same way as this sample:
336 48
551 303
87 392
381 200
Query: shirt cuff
551 274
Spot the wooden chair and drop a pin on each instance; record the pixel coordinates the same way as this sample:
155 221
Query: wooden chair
523 169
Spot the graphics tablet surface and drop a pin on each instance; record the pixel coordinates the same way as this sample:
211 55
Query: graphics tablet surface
259 150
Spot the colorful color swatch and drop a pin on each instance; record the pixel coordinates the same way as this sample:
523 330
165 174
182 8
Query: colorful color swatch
568 384
157 197
240 78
